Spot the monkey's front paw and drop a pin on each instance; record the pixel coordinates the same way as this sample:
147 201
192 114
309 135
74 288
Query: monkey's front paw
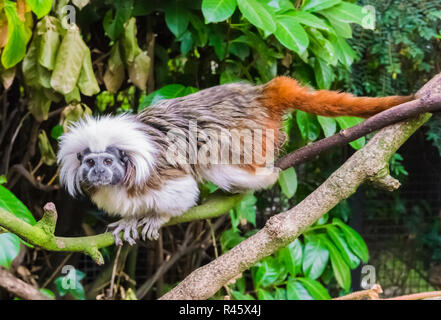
151 227
129 226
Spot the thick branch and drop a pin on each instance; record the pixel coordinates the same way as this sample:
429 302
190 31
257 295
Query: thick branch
19 287
283 228
42 234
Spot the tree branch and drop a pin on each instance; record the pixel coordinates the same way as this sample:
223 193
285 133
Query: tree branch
367 163
42 234
18 287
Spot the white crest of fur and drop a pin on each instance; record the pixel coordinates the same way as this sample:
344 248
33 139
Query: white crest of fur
123 132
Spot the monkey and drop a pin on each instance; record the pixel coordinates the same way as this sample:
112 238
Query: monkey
132 167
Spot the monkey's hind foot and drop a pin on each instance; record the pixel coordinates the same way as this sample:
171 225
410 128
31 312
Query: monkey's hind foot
129 226
151 227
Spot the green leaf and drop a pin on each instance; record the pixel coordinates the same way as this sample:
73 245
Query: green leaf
328 125
280 294
315 288
18 36
69 62
114 24
229 239
308 19
48 293
257 14
246 209
9 248
342 272
342 29
218 10
350 258
50 41
74 286
170 91
323 73
344 52
10 203
176 18
308 126
87 82
263 294
347 122
315 257
288 182
268 272
291 256
39 104
346 12
296 291
316 5
240 296
355 241
40 7
3 179
291 34
130 46
57 131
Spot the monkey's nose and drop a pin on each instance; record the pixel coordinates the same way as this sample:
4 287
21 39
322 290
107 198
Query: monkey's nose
98 170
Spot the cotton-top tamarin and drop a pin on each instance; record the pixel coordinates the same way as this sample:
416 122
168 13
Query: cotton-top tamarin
145 168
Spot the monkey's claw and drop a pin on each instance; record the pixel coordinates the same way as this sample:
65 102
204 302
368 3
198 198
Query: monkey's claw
129 226
151 227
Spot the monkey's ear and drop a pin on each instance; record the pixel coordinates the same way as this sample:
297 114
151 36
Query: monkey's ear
124 156
79 156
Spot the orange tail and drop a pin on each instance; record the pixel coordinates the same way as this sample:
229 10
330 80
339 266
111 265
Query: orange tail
283 93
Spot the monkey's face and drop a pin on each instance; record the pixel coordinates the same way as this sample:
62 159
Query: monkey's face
99 169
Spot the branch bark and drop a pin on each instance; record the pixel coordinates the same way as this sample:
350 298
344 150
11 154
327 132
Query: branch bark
369 163
18 287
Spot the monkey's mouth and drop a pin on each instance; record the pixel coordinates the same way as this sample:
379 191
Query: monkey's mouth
99 181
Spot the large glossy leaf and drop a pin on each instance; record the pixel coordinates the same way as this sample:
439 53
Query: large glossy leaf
263 294
246 209
40 7
308 126
288 182
315 288
218 10
10 203
9 248
292 256
342 272
316 5
308 19
347 122
339 241
346 12
296 291
18 36
240 296
268 272
257 14
315 257
323 73
69 62
354 240
328 125
176 18
291 34
344 52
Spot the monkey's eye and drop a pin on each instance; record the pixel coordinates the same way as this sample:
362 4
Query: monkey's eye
108 161
90 162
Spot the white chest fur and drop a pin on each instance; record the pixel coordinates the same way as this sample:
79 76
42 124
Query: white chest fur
173 199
